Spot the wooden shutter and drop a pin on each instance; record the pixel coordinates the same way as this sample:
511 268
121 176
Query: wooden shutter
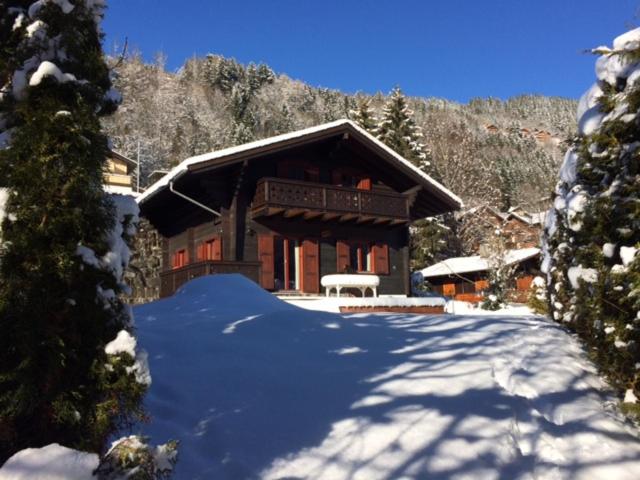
449 289
364 184
312 173
265 255
380 252
524 283
310 266
342 255
180 259
216 249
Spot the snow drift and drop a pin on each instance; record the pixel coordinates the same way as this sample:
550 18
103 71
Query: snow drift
253 387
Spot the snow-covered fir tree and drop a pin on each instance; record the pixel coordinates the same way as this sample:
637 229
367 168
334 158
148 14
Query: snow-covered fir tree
69 370
364 115
397 128
593 231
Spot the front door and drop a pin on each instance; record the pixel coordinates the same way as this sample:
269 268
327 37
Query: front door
287 268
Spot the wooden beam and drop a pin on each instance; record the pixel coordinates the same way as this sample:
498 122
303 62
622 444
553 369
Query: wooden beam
366 219
381 221
294 212
347 217
398 222
329 216
312 215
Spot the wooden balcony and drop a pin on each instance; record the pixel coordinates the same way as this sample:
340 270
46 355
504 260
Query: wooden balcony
171 280
315 201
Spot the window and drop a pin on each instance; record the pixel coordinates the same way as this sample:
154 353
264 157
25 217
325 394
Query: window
362 257
180 258
210 249
350 178
298 171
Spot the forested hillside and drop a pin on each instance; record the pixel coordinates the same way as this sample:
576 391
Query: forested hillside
504 153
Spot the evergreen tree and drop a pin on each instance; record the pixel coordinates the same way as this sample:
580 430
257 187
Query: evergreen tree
363 115
398 130
593 231
68 372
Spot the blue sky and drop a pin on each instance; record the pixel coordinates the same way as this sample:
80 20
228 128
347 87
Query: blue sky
456 49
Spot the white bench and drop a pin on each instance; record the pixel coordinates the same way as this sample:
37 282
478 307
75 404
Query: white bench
338 281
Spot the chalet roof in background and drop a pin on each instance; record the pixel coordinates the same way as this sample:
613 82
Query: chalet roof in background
268 145
119 156
476 263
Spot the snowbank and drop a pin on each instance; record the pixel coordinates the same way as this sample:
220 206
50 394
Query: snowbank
253 387
52 462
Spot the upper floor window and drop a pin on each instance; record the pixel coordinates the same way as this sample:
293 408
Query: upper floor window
298 171
346 177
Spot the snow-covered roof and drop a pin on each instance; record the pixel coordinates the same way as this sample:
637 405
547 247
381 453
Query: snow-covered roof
476 263
183 167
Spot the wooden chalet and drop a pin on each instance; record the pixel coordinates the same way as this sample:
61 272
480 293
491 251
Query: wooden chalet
118 174
287 210
466 278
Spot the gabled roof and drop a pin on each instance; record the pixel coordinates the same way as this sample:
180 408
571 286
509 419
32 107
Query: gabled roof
250 150
476 263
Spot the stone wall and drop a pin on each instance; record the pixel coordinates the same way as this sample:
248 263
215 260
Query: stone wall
146 264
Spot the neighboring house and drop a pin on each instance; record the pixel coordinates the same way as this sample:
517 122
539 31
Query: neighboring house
287 210
515 229
466 278
118 175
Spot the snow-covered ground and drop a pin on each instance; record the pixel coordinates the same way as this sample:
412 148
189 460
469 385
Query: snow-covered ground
254 387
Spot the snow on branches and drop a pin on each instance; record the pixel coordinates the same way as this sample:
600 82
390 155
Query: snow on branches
593 230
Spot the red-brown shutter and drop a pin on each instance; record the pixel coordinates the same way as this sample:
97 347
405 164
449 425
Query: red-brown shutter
336 177
310 266
381 258
216 247
449 289
265 255
342 255
364 184
312 173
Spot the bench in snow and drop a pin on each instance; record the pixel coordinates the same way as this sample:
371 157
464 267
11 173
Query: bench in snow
341 280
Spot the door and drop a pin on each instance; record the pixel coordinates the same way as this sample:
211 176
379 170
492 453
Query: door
265 256
286 264
310 266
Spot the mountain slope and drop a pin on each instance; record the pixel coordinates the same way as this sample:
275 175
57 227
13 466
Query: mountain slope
481 149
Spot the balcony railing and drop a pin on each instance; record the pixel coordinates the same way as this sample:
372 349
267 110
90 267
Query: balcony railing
281 193
171 280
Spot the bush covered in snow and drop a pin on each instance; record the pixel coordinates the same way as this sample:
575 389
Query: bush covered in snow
593 231
537 300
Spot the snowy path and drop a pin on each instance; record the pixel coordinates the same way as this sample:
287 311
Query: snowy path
256 388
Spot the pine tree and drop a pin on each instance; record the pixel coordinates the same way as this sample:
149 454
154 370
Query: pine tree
67 373
398 130
364 116
593 231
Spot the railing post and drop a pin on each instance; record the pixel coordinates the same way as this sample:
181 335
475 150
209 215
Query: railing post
360 202
266 191
324 198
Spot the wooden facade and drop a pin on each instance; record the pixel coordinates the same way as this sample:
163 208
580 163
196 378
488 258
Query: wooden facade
472 286
118 174
292 210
